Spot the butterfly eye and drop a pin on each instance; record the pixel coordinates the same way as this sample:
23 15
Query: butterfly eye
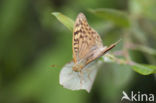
76 68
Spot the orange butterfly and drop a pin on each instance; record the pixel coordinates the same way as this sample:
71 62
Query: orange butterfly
86 44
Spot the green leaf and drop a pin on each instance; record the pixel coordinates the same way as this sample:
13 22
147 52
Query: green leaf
68 22
117 17
144 69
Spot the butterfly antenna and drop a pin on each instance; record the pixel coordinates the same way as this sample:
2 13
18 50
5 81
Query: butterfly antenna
117 42
111 46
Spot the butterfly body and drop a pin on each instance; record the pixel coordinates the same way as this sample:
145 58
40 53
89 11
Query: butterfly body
87 44
79 65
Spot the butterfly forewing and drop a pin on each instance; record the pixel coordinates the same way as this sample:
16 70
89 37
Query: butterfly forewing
85 39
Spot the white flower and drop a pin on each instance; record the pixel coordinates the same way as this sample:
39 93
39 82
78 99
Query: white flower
76 80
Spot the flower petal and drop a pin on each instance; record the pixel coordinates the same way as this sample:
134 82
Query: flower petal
76 80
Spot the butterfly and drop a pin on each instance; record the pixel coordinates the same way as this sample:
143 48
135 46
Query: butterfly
87 44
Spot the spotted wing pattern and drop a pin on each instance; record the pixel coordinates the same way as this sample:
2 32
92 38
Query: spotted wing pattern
85 39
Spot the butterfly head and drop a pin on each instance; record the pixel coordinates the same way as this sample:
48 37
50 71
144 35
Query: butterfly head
77 67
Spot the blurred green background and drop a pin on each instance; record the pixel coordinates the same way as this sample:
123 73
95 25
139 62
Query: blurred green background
31 40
